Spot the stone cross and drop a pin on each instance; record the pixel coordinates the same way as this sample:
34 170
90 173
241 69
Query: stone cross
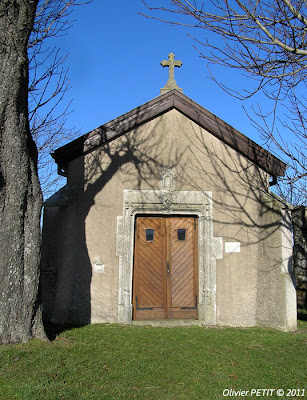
171 83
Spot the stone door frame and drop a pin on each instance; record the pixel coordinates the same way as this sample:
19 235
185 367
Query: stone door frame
168 201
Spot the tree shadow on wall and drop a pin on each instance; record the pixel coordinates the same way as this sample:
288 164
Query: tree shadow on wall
244 211
67 269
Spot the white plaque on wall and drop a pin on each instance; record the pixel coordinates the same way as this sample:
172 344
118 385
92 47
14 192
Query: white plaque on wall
98 267
232 247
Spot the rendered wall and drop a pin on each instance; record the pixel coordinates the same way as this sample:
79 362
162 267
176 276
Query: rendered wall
252 285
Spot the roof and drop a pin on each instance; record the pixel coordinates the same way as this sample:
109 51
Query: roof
158 106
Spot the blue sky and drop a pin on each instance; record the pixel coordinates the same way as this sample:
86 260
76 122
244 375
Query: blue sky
114 66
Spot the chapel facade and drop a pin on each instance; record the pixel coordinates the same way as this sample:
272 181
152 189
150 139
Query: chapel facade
167 214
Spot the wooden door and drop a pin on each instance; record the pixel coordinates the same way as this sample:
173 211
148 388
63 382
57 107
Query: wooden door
165 276
149 283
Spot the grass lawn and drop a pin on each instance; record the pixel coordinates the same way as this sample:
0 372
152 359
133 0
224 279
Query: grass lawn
141 362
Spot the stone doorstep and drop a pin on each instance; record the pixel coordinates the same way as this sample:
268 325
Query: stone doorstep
168 323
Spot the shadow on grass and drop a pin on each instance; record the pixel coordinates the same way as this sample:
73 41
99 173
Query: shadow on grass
54 330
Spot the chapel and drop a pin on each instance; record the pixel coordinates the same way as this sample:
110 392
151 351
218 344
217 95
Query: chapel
167 215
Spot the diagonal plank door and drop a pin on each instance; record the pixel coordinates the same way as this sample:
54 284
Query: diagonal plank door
149 300
165 277
182 299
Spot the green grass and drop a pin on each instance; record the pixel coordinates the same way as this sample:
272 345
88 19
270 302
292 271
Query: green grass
141 362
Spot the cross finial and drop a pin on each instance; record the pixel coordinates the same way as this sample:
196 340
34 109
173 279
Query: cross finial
171 83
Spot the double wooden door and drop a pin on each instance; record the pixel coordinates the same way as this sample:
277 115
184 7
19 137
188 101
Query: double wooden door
165 276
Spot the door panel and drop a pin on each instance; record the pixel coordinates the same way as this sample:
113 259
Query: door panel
149 292
165 268
183 273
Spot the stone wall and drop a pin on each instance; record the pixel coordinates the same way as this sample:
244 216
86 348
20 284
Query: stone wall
299 220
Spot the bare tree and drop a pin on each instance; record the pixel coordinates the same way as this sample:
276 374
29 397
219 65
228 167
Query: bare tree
48 85
23 25
267 41
20 195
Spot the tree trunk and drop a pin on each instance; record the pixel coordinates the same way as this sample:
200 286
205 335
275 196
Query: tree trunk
20 194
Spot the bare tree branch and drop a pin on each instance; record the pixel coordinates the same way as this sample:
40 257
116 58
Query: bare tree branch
48 85
266 41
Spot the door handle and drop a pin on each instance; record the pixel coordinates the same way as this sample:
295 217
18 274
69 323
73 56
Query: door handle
167 268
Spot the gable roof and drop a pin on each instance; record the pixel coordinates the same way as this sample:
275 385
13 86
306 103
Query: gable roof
158 106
